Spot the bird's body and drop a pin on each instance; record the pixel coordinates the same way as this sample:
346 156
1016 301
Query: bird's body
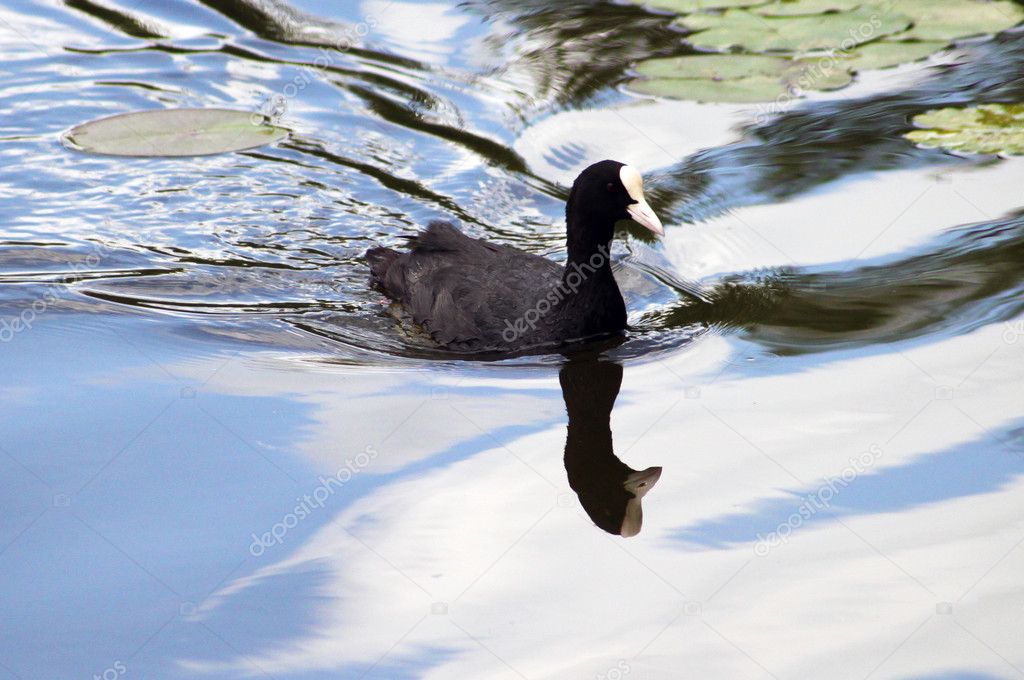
475 296
472 295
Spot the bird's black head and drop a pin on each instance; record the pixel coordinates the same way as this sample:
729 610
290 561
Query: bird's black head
603 194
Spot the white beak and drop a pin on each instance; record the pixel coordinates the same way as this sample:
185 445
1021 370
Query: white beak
640 211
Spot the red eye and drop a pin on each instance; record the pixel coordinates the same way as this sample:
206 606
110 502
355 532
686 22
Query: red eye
611 186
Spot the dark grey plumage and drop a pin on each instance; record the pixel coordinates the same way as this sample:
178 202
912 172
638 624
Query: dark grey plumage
476 296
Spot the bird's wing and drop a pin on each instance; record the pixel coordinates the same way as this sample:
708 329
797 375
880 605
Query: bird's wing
468 293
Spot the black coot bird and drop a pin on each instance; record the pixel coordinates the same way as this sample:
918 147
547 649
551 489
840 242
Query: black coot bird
474 296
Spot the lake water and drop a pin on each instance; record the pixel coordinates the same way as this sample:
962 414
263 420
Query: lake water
222 457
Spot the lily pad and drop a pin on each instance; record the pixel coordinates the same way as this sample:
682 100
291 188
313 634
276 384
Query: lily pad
803 33
887 53
786 8
690 6
840 37
734 91
736 78
175 132
989 128
951 19
933 19
715 66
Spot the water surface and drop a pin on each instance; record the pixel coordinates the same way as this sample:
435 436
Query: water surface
222 457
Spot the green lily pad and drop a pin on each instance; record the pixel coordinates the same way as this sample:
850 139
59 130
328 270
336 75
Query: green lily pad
734 91
803 33
989 128
174 132
786 8
951 19
933 19
715 66
839 36
690 6
887 53
736 78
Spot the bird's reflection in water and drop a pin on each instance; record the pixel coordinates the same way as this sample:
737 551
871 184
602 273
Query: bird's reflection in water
609 490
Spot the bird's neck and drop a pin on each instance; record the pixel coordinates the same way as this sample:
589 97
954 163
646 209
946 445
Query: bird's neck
595 302
586 252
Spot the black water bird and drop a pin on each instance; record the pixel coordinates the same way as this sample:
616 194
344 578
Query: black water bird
475 296
609 490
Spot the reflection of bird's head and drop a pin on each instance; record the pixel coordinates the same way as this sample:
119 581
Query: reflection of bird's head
609 490
638 484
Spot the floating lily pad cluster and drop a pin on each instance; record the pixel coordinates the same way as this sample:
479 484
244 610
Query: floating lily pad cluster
989 128
759 50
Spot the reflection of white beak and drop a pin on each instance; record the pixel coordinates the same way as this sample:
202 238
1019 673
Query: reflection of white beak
638 484
640 211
